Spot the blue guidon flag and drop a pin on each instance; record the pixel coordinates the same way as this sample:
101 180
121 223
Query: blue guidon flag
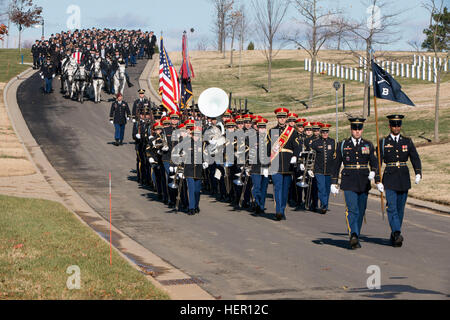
169 88
385 86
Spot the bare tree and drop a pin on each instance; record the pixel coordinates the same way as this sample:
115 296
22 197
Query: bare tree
233 24
317 27
24 14
269 15
244 29
222 9
202 44
379 29
436 10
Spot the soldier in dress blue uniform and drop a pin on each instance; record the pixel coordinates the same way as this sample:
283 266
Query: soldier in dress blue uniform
360 167
193 170
118 115
395 151
259 170
284 162
324 164
48 72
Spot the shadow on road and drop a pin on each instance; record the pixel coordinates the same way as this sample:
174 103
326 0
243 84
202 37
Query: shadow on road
391 291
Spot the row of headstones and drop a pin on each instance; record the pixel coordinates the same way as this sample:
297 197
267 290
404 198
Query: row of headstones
393 68
420 69
336 70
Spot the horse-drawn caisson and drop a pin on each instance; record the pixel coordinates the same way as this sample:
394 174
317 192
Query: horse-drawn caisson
92 61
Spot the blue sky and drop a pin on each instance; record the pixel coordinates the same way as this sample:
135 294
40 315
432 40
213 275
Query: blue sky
174 16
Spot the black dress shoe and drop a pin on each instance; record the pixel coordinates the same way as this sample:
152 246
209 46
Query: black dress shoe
121 142
191 212
397 239
323 210
354 242
197 210
278 216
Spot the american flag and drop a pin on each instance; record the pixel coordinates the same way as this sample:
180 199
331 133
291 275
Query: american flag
169 88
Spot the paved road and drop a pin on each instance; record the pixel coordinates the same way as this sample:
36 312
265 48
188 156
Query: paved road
239 256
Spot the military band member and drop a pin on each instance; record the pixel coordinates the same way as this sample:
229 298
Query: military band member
395 150
193 170
154 154
324 165
283 154
139 129
118 115
260 170
358 156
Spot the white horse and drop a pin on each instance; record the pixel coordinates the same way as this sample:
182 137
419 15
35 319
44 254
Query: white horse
79 82
68 73
97 81
119 79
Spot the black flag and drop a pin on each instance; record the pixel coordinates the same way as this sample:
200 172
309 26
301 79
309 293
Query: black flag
385 87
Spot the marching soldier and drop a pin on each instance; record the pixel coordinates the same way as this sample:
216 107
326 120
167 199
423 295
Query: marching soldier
314 198
360 167
324 165
139 104
118 115
284 154
260 170
395 151
299 170
193 170
48 72
154 154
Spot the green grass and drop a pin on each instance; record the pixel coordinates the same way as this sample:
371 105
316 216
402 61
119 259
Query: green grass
40 239
10 63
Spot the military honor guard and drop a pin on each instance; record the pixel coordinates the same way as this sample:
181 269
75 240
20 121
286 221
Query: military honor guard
358 156
395 151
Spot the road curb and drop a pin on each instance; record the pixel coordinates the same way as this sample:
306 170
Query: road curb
179 286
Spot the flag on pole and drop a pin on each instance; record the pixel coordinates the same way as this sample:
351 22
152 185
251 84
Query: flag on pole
186 73
385 86
169 88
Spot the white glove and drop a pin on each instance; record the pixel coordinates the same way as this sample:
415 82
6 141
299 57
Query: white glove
181 175
128 118
380 187
153 142
164 114
418 178
371 175
205 165
171 169
151 160
53 76
42 77
138 136
302 167
311 173
111 122
134 120
266 173
334 189
247 171
293 159
166 148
